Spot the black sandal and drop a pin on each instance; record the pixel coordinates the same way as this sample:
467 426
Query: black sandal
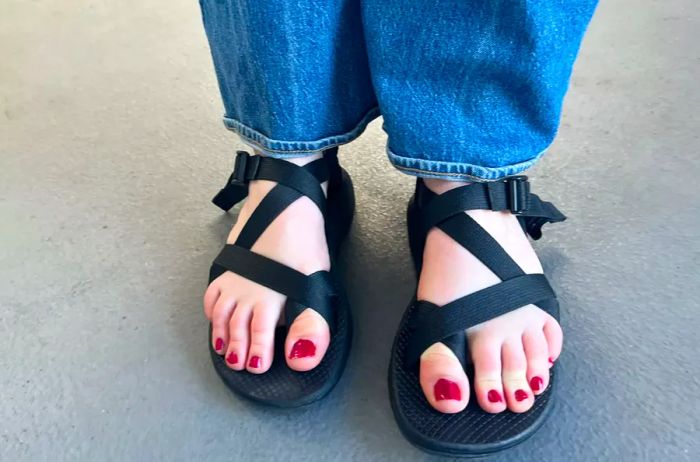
281 386
472 432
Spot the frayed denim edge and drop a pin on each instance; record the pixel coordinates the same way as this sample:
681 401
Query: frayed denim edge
288 149
455 171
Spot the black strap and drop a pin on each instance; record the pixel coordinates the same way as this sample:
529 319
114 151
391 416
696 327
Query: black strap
316 290
248 168
511 194
431 324
470 235
270 207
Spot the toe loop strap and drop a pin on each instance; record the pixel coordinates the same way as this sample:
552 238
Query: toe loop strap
430 324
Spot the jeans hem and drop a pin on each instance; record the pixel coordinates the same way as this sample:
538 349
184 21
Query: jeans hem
288 149
456 171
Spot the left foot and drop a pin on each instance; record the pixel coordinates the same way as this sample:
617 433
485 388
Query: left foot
512 353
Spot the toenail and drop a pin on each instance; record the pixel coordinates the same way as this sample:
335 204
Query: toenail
494 396
254 362
551 360
302 349
520 395
536 383
446 389
232 358
219 345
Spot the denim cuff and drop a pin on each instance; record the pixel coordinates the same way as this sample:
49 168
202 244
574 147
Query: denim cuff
456 171
288 149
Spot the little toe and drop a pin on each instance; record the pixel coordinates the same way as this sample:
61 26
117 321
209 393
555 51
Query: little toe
221 314
486 356
211 295
443 380
555 338
537 354
307 341
517 391
262 338
239 338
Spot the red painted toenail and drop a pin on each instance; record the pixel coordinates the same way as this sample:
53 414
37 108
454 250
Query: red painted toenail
551 360
219 345
254 362
494 396
536 383
302 349
520 395
446 389
232 358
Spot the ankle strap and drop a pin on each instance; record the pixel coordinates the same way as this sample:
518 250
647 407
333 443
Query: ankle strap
512 194
248 168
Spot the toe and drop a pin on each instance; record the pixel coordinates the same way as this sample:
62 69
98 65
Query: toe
221 313
486 355
517 391
211 295
555 338
262 338
307 341
537 354
239 327
443 380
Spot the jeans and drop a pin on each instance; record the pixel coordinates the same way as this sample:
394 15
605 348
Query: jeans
468 89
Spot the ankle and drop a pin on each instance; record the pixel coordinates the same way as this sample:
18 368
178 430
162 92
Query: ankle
442 186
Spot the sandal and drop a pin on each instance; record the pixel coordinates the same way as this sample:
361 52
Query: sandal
281 386
472 432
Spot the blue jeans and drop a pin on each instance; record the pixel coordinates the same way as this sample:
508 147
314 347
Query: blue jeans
469 90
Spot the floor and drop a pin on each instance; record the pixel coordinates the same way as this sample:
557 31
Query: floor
111 147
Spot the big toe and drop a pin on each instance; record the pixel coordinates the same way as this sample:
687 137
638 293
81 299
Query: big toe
443 380
307 341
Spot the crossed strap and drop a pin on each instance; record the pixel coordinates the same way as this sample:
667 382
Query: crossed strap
429 323
317 290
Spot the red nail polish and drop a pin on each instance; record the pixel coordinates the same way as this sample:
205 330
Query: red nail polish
446 389
254 362
536 383
494 396
219 345
551 360
520 395
232 358
302 349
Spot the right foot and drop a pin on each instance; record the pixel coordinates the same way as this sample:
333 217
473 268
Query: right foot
244 314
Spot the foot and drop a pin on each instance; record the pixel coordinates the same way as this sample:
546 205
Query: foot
512 353
244 314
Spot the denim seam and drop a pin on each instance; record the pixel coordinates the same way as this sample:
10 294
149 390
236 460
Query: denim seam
298 148
440 169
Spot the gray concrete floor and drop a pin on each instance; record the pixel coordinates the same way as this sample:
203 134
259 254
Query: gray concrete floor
111 147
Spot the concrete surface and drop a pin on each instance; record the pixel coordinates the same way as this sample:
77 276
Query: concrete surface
111 147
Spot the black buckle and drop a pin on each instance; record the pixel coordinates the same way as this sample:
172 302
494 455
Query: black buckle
245 168
518 193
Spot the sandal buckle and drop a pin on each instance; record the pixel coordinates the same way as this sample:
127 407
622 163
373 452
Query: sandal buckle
518 194
245 168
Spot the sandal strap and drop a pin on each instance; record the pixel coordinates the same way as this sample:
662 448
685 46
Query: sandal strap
430 323
305 180
512 193
316 291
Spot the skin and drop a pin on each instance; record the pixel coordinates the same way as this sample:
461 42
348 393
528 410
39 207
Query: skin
508 352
